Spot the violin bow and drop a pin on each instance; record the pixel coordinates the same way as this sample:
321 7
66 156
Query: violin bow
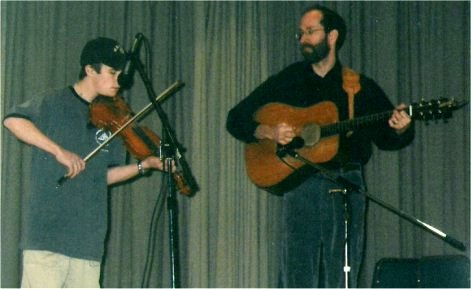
170 90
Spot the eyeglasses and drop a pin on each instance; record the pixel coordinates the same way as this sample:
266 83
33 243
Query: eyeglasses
307 32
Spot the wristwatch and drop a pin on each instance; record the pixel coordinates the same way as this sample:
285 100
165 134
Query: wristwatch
140 169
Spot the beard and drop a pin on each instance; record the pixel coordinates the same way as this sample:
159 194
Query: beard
315 53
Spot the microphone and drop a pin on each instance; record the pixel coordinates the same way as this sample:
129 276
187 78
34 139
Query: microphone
126 78
283 150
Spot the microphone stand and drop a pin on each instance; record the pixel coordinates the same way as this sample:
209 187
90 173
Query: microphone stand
170 148
348 186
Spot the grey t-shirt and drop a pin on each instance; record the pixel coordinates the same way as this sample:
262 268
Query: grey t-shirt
70 219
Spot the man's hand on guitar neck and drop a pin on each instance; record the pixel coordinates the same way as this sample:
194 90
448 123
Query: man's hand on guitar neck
281 133
400 120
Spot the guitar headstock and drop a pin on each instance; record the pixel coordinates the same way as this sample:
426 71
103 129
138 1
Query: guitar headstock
434 109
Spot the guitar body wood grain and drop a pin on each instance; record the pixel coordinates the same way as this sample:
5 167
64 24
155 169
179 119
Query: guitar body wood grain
264 168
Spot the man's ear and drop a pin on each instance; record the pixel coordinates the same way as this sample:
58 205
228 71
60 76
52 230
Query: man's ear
89 70
332 38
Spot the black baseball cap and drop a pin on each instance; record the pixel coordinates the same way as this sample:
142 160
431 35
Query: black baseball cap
103 50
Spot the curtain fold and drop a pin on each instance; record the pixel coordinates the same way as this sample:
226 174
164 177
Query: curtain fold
228 231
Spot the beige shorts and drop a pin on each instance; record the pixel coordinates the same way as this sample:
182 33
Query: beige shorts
51 270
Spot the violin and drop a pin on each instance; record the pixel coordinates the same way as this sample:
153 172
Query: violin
112 114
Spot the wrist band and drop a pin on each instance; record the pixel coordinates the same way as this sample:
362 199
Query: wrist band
140 169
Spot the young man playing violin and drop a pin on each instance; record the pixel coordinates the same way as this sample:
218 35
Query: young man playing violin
313 232
65 226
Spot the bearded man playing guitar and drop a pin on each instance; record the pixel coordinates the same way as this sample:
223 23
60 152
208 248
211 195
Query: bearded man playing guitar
318 90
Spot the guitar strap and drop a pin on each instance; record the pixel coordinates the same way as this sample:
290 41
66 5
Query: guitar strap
351 85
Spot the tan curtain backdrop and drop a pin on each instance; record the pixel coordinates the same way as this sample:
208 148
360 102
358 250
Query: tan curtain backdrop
221 51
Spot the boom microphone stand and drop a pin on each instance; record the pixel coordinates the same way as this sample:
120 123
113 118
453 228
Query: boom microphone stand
346 219
351 187
170 152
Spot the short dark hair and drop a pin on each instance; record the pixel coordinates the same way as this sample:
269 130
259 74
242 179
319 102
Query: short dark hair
331 20
95 66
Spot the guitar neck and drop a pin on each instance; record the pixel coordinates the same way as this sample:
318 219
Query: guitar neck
424 110
354 124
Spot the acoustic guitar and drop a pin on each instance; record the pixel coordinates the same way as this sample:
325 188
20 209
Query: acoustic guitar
317 138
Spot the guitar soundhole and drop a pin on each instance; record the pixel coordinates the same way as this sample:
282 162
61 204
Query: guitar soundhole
311 134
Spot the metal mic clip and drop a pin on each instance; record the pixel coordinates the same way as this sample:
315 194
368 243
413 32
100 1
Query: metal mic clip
283 150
